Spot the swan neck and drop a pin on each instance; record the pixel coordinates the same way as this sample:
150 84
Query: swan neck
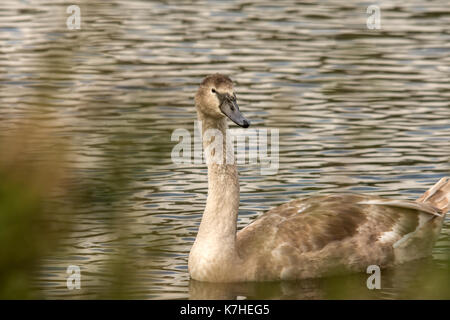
220 216
214 255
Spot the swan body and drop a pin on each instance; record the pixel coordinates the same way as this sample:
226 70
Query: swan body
304 238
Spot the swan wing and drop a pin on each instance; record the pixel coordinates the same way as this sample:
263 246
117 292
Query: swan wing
423 207
307 237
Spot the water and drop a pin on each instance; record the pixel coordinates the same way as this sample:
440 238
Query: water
358 110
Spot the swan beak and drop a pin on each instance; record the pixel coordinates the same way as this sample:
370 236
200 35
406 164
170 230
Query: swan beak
231 110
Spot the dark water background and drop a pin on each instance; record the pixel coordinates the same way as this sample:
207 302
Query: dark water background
357 110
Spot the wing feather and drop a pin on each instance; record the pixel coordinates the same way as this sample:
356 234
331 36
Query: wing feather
424 207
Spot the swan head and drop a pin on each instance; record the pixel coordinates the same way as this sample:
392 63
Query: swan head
216 99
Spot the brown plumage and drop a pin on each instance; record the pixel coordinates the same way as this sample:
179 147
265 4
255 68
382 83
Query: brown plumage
217 80
325 235
304 238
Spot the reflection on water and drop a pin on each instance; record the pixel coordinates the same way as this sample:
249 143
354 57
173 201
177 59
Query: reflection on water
358 110
403 282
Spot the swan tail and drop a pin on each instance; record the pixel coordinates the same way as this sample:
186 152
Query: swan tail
438 195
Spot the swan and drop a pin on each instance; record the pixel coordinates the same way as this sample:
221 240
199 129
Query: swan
304 238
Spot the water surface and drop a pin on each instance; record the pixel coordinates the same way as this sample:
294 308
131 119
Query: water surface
357 110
